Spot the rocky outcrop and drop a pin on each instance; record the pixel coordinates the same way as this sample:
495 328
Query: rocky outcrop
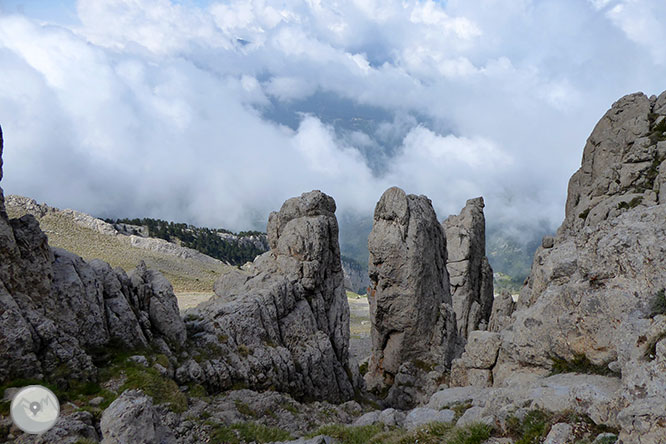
132 418
56 310
590 298
500 316
413 326
282 322
469 271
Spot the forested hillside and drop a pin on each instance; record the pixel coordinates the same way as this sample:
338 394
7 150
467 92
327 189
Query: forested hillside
234 248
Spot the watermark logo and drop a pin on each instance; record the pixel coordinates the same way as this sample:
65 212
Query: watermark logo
35 409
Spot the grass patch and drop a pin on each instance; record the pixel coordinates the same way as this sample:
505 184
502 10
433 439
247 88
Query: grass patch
162 390
289 407
658 131
579 364
537 423
363 368
349 434
247 432
433 433
245 409
460 410
197 391
633 203
531 429
243 350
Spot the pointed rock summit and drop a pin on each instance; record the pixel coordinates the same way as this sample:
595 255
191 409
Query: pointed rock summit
413 327
283 322
469 271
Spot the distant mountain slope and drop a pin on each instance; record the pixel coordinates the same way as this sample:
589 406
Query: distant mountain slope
188 270
235 249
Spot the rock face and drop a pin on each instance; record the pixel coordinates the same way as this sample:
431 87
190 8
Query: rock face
132 418
503 307
410 304
56 309
469 271
283 322
591 293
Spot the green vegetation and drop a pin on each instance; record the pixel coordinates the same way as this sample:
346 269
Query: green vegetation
162 389
423 365
352 295
658 130
245 409
534 426
247 432
579 364
659 303
289 407
363 368
510 255
537 423
584 214
633 203
205 240
503 282
432 433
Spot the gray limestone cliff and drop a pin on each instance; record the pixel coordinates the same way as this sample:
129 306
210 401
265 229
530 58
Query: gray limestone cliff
413 326
594 300
469 271
283 322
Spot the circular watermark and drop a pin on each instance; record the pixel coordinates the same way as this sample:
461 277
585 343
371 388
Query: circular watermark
34 409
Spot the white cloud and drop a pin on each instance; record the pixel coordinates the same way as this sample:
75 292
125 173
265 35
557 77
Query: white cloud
643 22
158 108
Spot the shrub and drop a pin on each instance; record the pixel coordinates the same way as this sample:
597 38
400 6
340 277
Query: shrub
579 364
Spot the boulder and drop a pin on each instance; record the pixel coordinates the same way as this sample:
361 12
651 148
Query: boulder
282 322
71 428
500 316
424 415
481 350
132 418
410 301
560 433
469 271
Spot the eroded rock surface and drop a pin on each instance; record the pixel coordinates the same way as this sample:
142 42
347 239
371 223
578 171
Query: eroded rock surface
469 271
56 309
132 418
413 326
283 322
591 293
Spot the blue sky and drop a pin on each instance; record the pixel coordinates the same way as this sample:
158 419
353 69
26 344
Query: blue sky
215 112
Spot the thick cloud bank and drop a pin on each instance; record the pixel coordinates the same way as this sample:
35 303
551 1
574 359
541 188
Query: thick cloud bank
214 114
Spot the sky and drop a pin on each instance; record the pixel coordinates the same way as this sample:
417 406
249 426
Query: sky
215 112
